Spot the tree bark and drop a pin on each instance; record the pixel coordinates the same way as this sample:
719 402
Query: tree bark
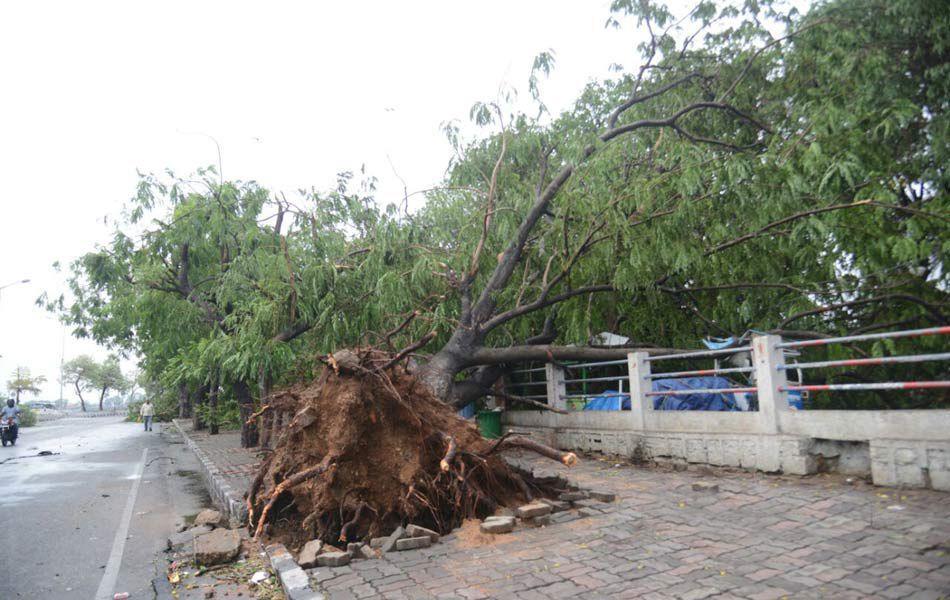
200 397
246 403
82 402
213 406
184 406
102 395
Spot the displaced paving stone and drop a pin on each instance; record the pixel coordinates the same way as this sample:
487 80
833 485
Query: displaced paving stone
557 505
219 546
366 552
603 496
417 531
211 518
378 542
333 559
353 547
564 517
705 486
540 521
186 537
309 553
394 537
537 509
498 525
412 543
573 496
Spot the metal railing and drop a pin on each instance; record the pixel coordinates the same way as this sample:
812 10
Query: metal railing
565 386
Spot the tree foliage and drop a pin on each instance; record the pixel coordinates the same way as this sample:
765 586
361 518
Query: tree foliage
21 380
759 169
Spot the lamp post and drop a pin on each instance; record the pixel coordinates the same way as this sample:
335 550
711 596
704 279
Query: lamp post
3 287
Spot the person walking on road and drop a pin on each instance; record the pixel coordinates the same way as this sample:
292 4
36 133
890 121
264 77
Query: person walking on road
147 412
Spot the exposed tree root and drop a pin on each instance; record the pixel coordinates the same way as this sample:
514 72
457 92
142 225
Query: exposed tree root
369 449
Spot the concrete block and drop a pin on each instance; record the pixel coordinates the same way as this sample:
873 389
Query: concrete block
186 537
411 543
603 495
333 559
308 555
695 450
730 453
394 537
218 547
540 521
211 518
377 542
417 531
366 552
705 486
536 509
573 496
498 525
556 505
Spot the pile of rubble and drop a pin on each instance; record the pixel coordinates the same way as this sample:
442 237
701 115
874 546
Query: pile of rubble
315 553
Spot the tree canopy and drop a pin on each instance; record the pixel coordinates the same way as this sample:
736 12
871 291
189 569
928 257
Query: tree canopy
758 169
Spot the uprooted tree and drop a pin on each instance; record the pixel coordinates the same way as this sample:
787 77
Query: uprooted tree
738 178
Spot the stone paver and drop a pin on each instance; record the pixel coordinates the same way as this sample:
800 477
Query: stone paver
758 537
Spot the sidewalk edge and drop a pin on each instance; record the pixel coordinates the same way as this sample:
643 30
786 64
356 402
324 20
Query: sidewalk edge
225 497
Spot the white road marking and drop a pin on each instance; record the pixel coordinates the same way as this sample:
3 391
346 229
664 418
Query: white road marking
111 574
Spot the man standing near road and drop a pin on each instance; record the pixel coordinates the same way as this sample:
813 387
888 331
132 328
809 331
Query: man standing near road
147 412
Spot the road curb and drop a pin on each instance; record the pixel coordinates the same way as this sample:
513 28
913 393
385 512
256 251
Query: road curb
293 579
224 497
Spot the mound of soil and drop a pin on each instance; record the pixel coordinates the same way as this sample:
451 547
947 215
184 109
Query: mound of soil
369 449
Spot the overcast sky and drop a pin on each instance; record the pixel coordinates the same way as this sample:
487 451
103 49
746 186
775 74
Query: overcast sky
293 91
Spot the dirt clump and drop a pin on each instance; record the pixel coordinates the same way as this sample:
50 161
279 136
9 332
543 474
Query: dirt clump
370 448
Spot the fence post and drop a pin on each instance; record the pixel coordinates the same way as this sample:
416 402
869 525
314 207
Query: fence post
766 358
557 389
638 368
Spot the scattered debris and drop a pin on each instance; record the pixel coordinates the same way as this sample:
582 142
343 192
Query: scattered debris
705 486
259 576
573 496
187 536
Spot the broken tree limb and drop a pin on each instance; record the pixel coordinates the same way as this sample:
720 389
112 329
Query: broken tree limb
263 410
567 458
451 447
541 405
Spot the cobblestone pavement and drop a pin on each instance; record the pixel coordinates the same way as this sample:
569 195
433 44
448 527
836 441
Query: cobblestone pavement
759 537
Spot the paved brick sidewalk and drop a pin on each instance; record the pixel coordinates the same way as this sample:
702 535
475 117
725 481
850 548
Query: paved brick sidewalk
759 537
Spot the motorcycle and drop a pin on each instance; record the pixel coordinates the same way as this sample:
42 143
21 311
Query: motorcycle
8 431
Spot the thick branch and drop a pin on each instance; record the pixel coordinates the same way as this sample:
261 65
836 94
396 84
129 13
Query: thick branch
513 354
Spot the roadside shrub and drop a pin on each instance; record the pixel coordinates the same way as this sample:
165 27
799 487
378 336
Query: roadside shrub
27 416
228 415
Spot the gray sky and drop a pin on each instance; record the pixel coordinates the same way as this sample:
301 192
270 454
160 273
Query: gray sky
293 91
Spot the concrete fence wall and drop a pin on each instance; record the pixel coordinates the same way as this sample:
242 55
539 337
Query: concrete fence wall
894 447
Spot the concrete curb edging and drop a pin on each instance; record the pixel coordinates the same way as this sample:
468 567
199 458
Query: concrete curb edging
292 578
225 497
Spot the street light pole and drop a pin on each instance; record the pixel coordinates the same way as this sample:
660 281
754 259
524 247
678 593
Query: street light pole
3 287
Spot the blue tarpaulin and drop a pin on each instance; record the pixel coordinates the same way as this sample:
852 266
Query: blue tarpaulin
738 401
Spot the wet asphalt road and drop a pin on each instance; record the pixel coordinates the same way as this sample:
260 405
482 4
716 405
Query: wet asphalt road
91 520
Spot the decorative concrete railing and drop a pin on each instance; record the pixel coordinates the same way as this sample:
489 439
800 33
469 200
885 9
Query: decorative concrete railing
894 447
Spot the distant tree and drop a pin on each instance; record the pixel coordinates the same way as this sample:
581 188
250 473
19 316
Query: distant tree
22 381
81 372
108 376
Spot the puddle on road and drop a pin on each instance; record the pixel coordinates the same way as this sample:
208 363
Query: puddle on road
195 485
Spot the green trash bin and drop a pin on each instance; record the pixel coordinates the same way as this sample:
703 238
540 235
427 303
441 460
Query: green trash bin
489 424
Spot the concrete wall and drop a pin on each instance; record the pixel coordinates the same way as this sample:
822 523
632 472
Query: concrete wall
895 448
